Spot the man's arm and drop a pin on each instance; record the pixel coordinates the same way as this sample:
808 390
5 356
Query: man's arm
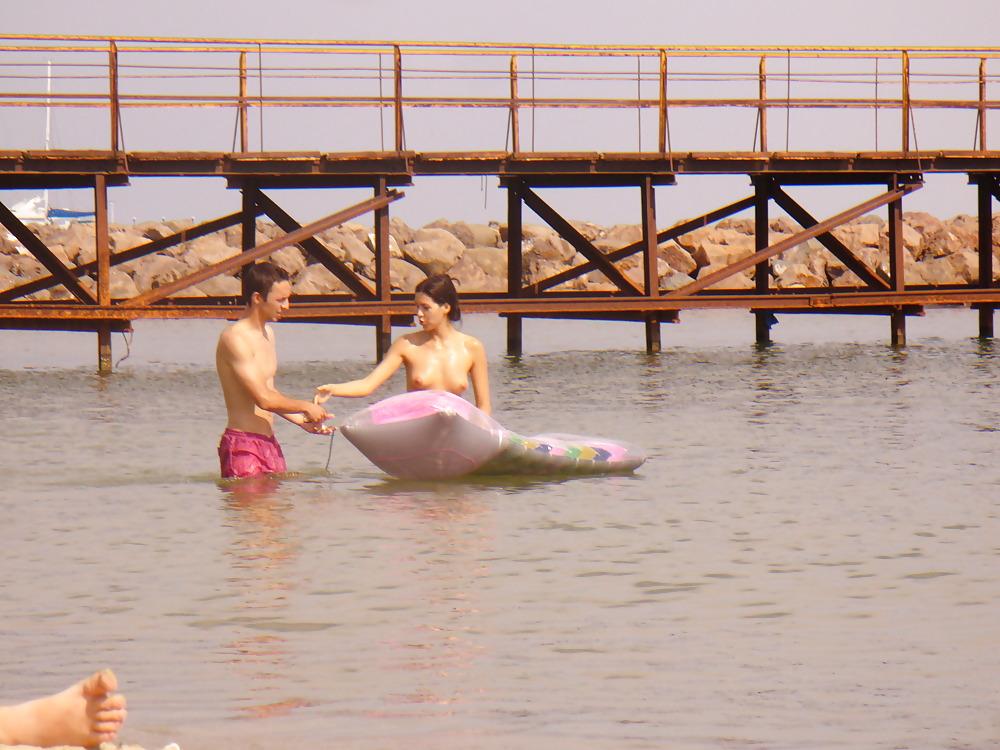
317 428
237 355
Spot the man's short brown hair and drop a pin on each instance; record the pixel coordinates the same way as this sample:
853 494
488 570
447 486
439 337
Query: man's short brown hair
260 277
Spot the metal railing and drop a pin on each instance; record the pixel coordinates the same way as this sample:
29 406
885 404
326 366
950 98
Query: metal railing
637 99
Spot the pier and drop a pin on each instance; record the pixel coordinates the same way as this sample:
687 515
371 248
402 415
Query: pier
377 115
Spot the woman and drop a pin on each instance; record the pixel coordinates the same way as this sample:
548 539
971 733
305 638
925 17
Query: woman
439 357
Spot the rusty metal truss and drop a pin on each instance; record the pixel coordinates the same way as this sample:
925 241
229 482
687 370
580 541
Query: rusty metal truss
395 81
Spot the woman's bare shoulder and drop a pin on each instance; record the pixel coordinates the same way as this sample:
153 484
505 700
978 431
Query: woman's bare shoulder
409 339
472 343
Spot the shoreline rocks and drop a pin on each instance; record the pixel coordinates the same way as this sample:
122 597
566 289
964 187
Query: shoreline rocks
937 252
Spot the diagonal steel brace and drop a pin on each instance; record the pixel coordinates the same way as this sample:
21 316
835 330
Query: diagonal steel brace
831 243
45 256
795 239
314 247
577 240
251 256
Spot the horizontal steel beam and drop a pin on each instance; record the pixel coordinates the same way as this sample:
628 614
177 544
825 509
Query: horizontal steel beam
66 169
814 300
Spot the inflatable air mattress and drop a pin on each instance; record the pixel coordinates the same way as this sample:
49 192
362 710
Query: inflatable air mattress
438 435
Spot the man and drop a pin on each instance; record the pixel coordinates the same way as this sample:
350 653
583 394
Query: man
246 361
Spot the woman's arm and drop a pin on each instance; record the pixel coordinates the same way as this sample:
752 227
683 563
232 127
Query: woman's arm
480 375
366 385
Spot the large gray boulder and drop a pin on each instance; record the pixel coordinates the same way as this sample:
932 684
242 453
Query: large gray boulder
234 236
923 222
743 226
151 230
27 268
292 259
637 274
125 239
207 251
462 232
433 255
441 236
677 257
394 249
937 271
799 275
154 271
80 243
965 265
674 280
400 231
404 276
472 235
739 280
551 247
627 233
316 279
178 225
588 230
492 260
468 275
485 235
7 279
356 253
221 286
121 284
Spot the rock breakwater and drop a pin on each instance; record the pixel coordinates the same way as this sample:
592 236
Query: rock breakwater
937 252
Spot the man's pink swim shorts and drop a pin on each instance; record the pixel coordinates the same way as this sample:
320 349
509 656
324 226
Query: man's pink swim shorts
247 454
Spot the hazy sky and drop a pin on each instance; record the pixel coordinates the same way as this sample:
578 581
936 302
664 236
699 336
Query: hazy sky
653 22
639 22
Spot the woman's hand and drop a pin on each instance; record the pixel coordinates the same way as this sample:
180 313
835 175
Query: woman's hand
323 393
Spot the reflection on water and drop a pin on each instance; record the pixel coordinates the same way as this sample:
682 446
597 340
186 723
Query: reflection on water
808 560
261 555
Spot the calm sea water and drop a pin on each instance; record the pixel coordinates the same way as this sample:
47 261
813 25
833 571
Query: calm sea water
809 559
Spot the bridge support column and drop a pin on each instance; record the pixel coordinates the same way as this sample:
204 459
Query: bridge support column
897 264
514 266
762 271
653 344
102 241
986 322
650 262
897 320
985 187
104 359
383 288
248 226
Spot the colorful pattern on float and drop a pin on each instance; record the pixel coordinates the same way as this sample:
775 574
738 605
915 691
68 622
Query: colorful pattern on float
438 435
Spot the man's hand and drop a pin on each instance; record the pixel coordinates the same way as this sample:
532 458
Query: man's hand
317 428
315 413
313 417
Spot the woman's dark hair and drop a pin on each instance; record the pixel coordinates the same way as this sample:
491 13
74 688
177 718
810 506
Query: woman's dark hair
260 277
441 289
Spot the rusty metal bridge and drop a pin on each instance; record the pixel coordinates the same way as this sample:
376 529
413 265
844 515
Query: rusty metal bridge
369 115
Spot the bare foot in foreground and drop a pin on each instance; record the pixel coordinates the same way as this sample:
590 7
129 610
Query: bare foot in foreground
85 715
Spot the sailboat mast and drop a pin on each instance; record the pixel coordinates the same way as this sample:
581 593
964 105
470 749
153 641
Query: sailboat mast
48 122
48 105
